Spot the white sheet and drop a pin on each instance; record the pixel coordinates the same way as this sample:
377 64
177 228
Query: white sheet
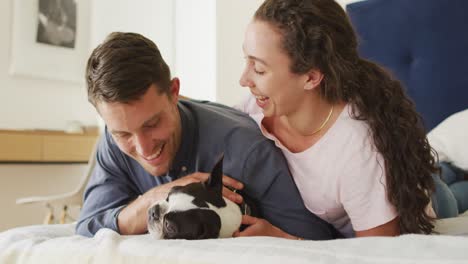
58 244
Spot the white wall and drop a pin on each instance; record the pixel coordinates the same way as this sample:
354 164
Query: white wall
195 48
232 19
33 102
343 3
151 18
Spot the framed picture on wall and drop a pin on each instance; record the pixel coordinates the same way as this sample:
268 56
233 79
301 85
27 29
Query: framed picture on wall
50 39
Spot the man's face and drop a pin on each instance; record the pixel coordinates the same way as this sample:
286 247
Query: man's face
147 129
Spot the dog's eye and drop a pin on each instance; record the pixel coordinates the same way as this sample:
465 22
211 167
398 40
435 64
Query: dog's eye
167 199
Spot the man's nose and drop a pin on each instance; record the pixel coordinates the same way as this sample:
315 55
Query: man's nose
144 145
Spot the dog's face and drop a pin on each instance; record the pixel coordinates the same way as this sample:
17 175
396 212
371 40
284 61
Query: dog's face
195 211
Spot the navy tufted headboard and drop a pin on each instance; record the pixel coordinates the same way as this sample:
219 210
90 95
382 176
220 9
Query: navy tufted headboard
424 43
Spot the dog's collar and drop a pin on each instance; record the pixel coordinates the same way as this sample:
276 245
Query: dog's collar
245 209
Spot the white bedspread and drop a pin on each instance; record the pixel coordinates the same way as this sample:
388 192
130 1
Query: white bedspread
58 244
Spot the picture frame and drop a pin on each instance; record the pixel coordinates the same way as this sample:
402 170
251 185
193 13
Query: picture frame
50 39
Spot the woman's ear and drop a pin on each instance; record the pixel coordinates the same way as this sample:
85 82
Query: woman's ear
314 78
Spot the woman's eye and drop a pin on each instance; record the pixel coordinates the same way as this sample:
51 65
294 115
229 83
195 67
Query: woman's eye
259 72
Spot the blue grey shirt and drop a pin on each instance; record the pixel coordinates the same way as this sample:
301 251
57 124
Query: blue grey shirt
208 129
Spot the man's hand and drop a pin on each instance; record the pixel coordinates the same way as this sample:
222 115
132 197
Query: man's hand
133 218
160 192
261 227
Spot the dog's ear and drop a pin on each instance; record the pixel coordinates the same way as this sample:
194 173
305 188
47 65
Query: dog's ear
215 181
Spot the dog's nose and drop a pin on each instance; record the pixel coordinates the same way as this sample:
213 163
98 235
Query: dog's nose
170 227
154 212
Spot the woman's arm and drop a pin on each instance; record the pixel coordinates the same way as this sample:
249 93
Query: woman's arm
391 228
261 227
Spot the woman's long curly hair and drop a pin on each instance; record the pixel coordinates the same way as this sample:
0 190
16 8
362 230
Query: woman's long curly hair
317 34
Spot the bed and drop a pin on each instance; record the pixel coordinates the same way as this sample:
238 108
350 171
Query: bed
423 44
58 244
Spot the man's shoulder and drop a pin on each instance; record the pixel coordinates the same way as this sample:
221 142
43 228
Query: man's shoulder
213 117
227 129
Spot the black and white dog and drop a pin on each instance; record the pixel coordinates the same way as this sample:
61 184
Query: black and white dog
197 211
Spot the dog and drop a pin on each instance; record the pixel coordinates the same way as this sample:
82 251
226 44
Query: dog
198 211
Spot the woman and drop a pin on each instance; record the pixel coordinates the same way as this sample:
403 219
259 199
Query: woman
355 145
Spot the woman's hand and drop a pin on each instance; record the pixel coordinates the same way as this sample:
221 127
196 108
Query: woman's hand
233 184
261 227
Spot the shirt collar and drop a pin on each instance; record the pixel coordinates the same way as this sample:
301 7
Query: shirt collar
185 158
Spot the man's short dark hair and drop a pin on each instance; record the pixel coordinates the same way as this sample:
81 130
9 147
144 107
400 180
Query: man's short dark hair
123 67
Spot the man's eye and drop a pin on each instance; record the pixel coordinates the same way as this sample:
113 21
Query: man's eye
152 125
123 136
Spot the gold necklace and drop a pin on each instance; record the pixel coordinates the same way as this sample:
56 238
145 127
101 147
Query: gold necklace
323 124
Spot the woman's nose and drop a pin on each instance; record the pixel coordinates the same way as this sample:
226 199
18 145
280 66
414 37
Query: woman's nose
244 81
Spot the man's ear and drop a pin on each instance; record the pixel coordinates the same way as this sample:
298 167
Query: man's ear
313 79
175 88
215 181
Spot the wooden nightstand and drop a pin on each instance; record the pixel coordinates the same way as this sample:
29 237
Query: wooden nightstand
46 146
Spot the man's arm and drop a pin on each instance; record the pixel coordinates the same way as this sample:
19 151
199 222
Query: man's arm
107 192
111 199
267 179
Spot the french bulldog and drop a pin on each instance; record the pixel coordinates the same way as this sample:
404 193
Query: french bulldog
197 211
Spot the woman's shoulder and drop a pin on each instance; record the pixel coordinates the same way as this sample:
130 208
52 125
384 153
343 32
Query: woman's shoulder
351 140
349 129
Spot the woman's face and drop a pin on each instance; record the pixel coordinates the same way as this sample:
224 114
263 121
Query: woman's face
267 71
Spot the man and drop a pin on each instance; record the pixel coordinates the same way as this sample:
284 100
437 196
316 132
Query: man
153 142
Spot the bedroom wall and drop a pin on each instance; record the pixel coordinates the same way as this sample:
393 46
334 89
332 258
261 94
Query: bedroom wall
195 46
33 102
28 103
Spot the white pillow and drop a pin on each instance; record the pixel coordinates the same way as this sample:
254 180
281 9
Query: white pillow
450 139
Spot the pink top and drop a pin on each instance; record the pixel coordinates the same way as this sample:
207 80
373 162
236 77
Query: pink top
341 178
